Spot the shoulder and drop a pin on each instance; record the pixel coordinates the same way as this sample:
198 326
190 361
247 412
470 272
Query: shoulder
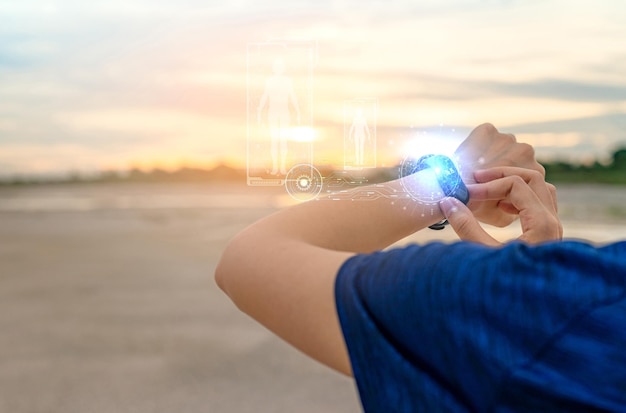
453 312
436 266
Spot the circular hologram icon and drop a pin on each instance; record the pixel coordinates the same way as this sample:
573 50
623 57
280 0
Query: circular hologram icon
303 182
427 189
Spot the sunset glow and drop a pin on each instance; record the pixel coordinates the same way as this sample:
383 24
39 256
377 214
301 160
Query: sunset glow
87 87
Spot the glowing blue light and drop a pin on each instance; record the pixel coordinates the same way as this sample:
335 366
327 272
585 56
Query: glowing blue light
440 177
447 176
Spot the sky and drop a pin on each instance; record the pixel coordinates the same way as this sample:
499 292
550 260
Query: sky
89 86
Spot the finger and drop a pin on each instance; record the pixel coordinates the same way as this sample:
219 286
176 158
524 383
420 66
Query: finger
511 136
526 152
493 212
539 221
539 228
512 189
497 172
478 142
552 190
508 208
532 177
464 223
513 153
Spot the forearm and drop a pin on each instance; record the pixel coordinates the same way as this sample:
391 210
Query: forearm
351 226
281 270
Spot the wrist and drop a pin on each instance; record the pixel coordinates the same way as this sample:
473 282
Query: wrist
423 194
440 178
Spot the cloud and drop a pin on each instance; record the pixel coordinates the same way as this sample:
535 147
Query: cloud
580 91
116 76
594 137
404 86
610 123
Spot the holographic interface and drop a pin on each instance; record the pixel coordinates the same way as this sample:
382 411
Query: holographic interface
447 176
359 133
443 179
281 138
279 90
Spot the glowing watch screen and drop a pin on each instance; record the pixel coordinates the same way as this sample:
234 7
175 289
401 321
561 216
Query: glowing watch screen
447 176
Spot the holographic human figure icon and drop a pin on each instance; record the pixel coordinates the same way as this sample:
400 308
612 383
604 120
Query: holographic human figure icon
278 93
358 130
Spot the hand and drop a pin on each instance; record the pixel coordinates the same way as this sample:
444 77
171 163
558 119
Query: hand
486 148
524 192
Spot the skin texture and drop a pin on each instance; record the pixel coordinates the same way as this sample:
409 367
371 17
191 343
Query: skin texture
281 270
484 148
521 192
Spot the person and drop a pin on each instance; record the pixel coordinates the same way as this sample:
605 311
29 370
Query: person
279 91
533 325
358 130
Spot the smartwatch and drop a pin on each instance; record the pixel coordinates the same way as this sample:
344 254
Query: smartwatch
448 178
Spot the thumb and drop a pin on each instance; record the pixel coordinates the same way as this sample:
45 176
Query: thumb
464 223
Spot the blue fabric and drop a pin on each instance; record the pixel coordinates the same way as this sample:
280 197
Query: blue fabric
468 328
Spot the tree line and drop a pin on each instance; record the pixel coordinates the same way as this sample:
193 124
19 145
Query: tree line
611 173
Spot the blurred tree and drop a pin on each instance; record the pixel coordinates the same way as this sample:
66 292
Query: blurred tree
619 159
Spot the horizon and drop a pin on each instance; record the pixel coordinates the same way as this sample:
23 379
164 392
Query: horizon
74 175
144 84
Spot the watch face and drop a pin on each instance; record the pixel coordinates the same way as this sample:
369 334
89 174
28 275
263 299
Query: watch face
444 179
448 177
426 190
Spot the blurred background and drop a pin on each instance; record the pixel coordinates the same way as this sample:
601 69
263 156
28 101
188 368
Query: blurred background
125 134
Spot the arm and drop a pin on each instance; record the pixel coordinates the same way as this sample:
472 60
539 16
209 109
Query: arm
281 270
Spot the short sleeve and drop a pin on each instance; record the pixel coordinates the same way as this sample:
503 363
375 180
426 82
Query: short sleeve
462 327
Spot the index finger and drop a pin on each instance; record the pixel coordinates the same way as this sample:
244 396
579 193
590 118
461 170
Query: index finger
533 178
